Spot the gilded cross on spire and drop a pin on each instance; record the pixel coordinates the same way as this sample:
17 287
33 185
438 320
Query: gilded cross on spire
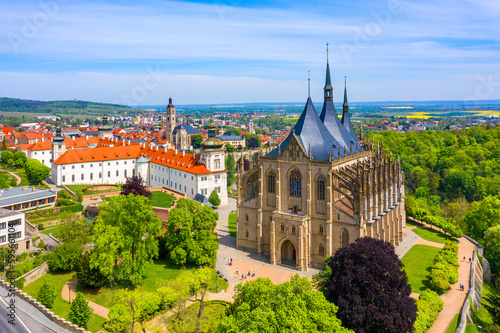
308 83
326 51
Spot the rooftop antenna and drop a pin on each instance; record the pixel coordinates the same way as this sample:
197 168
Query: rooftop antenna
308 83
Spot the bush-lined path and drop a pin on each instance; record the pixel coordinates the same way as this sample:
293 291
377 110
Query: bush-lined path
454 298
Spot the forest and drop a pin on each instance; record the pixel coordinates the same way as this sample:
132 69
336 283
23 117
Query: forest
454 176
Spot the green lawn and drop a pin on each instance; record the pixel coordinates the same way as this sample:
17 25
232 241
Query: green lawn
471 328
161 199
79 188
53 230
418 261
410 223
61 307
60 216
232 223
432 235
454 324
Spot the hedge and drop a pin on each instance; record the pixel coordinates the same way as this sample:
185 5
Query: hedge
72 209
444 271
428 307
437 221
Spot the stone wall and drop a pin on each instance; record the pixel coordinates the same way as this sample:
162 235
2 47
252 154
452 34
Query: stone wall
49 314
35 274
474 294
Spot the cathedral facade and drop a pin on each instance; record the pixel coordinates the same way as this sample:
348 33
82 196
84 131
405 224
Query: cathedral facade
319 190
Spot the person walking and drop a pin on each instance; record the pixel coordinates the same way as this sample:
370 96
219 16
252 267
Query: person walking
237 273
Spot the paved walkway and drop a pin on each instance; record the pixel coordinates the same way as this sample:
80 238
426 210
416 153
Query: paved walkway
454 298
14 175
246 261
410 240
98 309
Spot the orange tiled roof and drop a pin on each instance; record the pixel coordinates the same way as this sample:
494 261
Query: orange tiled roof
81 142
41 145
98 154
8 130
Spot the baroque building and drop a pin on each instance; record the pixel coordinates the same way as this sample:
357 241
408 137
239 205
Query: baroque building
181 136
319 190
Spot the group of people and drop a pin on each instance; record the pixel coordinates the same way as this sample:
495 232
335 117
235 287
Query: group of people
462 287
469 259
244 276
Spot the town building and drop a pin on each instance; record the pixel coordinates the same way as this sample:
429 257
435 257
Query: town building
236 141
181 136
12 226
26 197
318 191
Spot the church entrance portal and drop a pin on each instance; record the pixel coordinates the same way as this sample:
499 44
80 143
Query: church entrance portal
288 253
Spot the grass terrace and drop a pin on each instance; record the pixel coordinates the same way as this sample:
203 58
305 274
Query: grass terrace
161 199
60 306
80 188
433 235
454 324
418 261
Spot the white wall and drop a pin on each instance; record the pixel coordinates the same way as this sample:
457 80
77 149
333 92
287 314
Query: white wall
182 181
5 231
44 156
108 172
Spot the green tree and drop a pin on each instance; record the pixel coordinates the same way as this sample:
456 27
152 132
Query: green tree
13 182
47 295
492 248
190 235
231 169
88 276
4 183
65 257
36 169
6 156
482 216
20 155
125 237
197 140
80 311
214 199
230 148
294 306
493 307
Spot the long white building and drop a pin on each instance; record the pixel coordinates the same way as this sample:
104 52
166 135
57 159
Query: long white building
181 171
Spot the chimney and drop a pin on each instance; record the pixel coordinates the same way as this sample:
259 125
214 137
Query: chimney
175 151
156 148
183 153
43 139
32 189
86 137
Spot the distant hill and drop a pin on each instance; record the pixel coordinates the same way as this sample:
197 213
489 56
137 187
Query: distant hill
74 107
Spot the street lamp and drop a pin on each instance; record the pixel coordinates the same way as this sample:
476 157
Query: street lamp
69 292
480 327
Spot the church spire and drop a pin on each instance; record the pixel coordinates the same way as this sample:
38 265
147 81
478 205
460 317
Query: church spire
328 89
346 120
309 84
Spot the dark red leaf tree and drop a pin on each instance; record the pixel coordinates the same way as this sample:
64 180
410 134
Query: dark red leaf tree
135 185
370 287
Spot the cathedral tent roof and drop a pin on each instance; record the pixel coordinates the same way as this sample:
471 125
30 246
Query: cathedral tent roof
332 122
312 134
189 129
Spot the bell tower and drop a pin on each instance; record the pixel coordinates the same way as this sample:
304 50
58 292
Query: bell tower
170 114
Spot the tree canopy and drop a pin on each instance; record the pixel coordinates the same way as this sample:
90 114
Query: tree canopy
492 248
190 235
36 169
482 215
370 287
214 199
136 186
125 240
196 141
294 306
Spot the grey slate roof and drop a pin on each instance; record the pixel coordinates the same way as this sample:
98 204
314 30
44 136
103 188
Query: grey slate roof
17 195
202 199
189 129
312 133
229 137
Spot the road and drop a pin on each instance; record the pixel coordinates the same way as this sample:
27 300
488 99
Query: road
28 318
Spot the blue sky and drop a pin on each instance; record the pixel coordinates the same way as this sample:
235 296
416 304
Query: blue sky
230 51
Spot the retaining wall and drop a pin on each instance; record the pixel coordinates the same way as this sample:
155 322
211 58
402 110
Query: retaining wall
35 274
474 294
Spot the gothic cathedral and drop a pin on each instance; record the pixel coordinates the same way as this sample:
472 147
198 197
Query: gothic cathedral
319 190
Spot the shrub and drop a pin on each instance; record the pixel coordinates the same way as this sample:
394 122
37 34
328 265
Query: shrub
13 182
63 194
449 271
87 276
20 283
65 257
64 202
75 208
40 226
149 306
41 245
47 295
428 307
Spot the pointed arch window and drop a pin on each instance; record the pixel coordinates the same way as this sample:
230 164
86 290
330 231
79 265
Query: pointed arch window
321 249
320 188
344 238
282 227
293 229
321 230
295 184
271 182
